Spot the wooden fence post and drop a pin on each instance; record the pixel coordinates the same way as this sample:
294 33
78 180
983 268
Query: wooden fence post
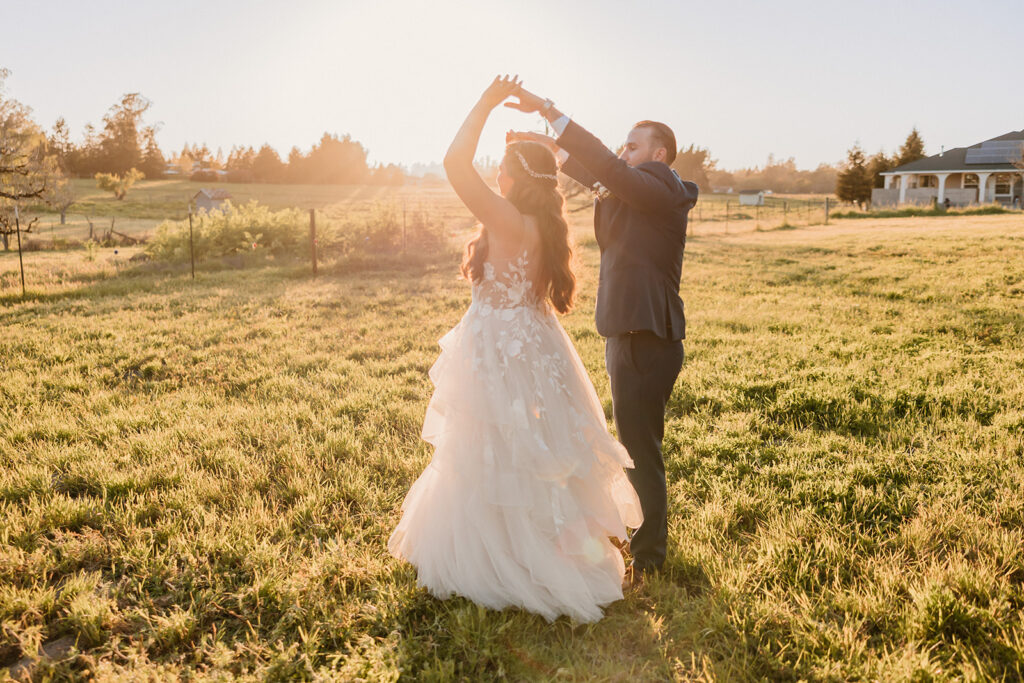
727 216
826 210
312 238
21 264
191 246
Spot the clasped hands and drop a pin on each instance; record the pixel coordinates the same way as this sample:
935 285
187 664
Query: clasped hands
504 87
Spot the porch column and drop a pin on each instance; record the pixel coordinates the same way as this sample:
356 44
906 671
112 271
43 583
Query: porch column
982 187
888 181
942 186
904 181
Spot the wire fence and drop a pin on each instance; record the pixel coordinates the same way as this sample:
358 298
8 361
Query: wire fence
720 216
237 236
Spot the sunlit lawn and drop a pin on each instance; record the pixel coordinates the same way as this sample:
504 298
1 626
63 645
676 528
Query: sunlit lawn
199 478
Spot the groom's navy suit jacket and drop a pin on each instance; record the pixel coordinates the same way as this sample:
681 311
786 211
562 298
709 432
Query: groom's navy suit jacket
641 231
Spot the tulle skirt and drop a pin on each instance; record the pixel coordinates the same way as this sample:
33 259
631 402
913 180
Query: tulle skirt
526 485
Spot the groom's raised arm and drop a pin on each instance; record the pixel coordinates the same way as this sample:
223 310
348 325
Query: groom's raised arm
649 186
578 172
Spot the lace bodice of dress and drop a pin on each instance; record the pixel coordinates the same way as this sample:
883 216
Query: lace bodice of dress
506 284
514 320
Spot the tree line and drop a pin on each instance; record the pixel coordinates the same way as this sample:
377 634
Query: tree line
696 164
852 181
124 142
862 174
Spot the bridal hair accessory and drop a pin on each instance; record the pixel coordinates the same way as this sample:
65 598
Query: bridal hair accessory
534 174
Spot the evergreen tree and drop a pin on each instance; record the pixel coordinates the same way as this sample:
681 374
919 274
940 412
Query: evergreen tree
854 183
337 161
912 149
877 165
201 154
267 166
239 164
153 162
60 144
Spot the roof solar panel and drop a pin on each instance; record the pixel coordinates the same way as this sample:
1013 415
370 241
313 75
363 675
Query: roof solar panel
995 152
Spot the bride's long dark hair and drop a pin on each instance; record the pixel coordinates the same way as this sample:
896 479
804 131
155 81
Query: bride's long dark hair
540 198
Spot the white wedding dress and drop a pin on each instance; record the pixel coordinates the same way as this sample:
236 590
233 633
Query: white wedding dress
526 484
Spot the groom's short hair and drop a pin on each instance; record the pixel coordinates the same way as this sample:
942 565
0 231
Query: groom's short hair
664 137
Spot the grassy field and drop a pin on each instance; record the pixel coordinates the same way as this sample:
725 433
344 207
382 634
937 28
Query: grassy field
198 479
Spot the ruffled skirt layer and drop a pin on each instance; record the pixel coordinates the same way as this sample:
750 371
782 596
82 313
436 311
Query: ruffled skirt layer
526 485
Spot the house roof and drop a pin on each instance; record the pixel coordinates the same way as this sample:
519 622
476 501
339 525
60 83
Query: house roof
989 155
216 195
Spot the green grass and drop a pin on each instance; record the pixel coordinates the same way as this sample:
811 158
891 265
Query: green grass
199 478
926 211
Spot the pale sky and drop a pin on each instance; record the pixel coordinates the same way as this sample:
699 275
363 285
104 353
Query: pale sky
746 79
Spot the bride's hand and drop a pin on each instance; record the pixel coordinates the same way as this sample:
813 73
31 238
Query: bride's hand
499 90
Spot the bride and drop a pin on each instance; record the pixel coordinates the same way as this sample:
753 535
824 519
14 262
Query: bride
526 485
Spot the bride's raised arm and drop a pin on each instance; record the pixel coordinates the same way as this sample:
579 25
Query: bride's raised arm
489 207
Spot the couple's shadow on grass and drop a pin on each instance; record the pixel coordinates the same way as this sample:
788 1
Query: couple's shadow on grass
472 640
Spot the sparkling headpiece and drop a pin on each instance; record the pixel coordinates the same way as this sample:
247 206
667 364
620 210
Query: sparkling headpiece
534 174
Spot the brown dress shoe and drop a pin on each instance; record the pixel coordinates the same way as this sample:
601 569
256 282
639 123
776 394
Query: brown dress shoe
633 580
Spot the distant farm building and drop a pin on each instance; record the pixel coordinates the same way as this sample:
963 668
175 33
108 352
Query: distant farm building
751 197
979 174
210 199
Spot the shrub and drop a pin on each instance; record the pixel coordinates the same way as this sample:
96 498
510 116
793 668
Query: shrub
254 227
232 230
118 184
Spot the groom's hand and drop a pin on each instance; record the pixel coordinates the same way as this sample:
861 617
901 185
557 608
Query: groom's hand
528 102
528 136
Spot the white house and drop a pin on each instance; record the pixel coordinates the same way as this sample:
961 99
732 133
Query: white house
979 174
210 199
751 197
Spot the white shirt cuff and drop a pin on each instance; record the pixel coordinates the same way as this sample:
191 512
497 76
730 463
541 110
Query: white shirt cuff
560 124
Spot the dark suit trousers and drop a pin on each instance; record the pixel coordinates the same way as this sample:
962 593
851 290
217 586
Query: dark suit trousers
643 368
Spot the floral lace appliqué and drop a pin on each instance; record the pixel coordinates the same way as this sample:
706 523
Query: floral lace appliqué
505 301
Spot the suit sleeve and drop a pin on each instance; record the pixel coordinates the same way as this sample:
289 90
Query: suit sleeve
642 187
578 172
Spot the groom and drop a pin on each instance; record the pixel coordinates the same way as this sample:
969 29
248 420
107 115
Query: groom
640 223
